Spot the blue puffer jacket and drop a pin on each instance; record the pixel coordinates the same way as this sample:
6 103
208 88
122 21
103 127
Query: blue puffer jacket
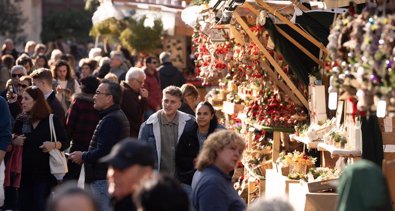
112 128
5 125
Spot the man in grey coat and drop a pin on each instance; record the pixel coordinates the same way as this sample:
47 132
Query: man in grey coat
163 129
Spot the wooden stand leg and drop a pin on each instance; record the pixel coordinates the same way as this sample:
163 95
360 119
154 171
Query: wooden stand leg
276 145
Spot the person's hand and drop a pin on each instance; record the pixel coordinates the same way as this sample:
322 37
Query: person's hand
59 89
47 146
76 157
144 92
18 140
11 97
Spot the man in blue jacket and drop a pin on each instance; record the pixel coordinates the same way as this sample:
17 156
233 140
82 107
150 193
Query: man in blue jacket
113 127
5 127
163 129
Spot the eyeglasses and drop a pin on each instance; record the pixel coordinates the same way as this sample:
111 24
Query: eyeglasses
24 86
140 82
99 93
154 62
15 75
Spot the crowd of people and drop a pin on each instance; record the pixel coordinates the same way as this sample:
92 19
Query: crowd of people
131 134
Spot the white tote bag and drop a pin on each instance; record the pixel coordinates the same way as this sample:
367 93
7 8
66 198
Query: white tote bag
57 159
81 178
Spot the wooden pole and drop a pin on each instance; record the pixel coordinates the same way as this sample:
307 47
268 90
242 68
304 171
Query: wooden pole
303 49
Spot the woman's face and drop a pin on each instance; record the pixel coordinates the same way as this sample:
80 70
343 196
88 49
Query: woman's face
203 115
191 101
27 102
85 71
62 72
228 157
22 85
40 62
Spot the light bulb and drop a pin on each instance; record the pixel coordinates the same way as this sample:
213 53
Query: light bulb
332 104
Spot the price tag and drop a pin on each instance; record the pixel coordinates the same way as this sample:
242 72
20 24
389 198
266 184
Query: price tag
381 108
388 124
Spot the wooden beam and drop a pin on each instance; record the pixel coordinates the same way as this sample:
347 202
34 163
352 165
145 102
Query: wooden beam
251 8
272 61
282 32
292 25
256 13
297 44
300 5
278 82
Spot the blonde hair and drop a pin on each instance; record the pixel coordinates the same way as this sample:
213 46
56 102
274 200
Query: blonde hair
189 89
111 77
215 142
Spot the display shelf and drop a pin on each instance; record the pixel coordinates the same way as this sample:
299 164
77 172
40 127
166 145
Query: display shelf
339 152
310 144
270 129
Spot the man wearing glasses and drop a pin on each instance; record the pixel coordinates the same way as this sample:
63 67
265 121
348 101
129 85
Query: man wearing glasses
152 84
17 72
134 98
112 127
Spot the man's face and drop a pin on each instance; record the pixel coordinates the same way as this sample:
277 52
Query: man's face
15 76
170 104
115 62
123 182
136 83
153 65
102 98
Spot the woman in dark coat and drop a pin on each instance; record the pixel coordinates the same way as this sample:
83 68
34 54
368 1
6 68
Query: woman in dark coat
191 142
32 132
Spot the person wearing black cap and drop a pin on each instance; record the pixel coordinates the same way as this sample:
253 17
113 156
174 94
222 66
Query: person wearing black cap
130 161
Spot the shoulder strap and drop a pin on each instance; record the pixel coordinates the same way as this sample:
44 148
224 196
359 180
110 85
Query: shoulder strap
52 128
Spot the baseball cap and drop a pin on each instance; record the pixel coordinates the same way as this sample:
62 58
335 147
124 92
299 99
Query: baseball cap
129 152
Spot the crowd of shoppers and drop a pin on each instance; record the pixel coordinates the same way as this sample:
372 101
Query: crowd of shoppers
136 138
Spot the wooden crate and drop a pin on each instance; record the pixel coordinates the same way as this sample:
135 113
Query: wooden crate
321 186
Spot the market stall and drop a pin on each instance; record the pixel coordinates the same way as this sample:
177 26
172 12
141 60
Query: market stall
306 110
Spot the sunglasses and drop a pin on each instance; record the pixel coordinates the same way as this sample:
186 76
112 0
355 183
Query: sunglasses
15 75
24 86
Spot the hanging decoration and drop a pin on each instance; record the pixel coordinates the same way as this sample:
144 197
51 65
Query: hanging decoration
362 60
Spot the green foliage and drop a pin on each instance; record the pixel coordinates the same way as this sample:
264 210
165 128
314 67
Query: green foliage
131 33
110 29
68 24
11 19
199 2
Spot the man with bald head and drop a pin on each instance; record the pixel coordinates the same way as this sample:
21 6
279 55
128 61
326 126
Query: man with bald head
134 98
